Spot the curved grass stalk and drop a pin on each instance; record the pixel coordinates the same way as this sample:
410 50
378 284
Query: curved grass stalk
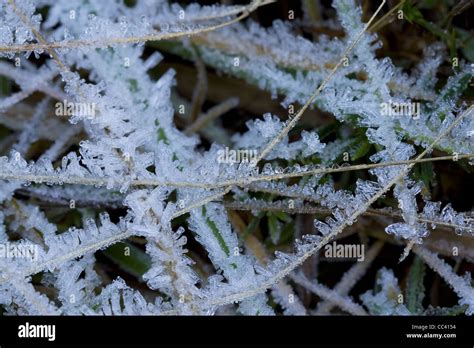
50 46
211 114
230 12
344 302
235 182
351 277
292 265
294 120
265 206
461 286
200 203
53 262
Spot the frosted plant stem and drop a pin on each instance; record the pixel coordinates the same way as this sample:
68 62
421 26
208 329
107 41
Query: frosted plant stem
344 302
43 45
70 255
304 209
235 182
351 277
211 114
38 35
460 286
200 203
259 288
201 86
266 206
317 171
294 120
231 12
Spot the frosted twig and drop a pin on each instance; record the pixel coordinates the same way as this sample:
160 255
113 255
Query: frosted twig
201 202
294 120
305 209
51 263
344 302
351 277
258 288
211 114
281 291
90 180
200 90
460 286
43 45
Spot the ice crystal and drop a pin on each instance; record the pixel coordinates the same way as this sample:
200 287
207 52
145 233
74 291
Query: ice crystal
130 156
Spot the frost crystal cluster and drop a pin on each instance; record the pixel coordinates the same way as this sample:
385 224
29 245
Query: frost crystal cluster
110 172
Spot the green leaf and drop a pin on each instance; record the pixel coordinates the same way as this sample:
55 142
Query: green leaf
282 216
287 233
468 49
162 136
5 86
362 148
215 231
415 290
424 172
411 13
254 222
133 84
129 258
445 311
274 227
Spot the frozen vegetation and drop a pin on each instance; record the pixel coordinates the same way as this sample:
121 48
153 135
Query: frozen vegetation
97 167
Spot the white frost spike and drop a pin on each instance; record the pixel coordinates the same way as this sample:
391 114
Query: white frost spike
461 285
284 257
462 221
322 227
385 301
312 239
407 231
149 171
